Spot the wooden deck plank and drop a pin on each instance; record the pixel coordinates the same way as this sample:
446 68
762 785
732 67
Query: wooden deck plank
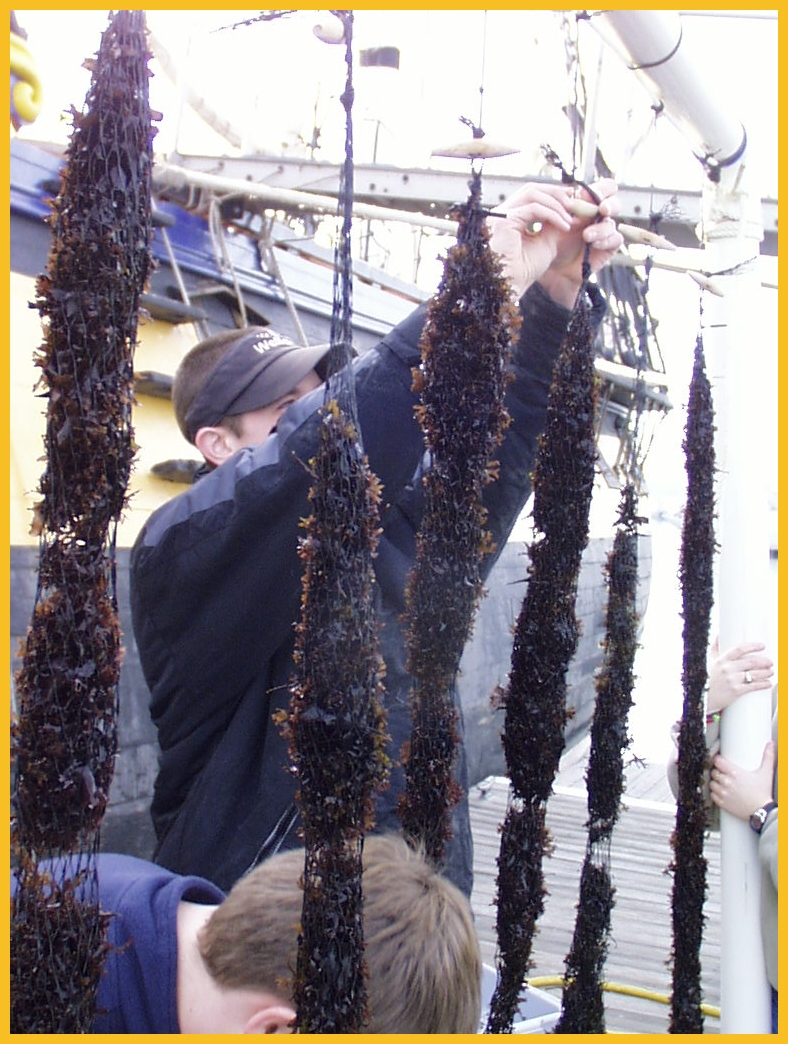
641 854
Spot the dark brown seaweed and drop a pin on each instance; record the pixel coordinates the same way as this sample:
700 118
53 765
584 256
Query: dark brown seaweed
461 382
697 584
64 742
583 1007
336 727
58 943
545 640
336 724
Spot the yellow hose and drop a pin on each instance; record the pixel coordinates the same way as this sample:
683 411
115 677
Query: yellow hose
545 981
26 93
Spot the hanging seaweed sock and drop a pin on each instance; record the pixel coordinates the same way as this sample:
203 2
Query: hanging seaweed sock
545 640
583 1008
336 724
65 739
696 571
465 348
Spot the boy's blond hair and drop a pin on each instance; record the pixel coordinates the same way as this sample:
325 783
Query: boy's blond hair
421 949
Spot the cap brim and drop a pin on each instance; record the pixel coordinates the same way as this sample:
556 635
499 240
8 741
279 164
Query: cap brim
277 377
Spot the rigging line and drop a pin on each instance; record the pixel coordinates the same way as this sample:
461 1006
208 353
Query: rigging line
222 256
266 245
484 57
572 46
737 268
178 274
569 179
477 129
263 16
632 464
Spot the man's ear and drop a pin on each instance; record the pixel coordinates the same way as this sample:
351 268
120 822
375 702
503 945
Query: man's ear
271 1018
215 444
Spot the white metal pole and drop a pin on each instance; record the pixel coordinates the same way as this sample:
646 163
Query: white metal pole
742 578
652 45
651 42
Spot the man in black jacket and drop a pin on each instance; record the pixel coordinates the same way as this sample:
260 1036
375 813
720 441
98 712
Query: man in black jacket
216 577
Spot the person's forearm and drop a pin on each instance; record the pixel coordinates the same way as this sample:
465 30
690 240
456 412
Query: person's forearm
561 289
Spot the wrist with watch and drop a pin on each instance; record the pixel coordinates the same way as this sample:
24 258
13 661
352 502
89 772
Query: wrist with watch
760 815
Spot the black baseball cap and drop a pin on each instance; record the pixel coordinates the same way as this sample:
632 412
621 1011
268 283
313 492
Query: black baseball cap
260 368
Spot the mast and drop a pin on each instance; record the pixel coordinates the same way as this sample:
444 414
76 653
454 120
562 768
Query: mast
651 44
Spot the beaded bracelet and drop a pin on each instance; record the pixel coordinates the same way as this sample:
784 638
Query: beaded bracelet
712 719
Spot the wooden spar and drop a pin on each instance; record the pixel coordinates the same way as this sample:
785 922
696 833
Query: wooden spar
171 175
697 269
696 272
652 44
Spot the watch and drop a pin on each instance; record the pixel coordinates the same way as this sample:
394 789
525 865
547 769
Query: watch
760 815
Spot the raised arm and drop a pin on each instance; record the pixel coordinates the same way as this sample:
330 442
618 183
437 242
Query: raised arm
541 240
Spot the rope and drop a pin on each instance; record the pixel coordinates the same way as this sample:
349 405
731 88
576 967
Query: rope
569 179
265 244
176 271
223 259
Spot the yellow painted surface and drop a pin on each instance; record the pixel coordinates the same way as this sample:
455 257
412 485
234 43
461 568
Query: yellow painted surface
161 347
